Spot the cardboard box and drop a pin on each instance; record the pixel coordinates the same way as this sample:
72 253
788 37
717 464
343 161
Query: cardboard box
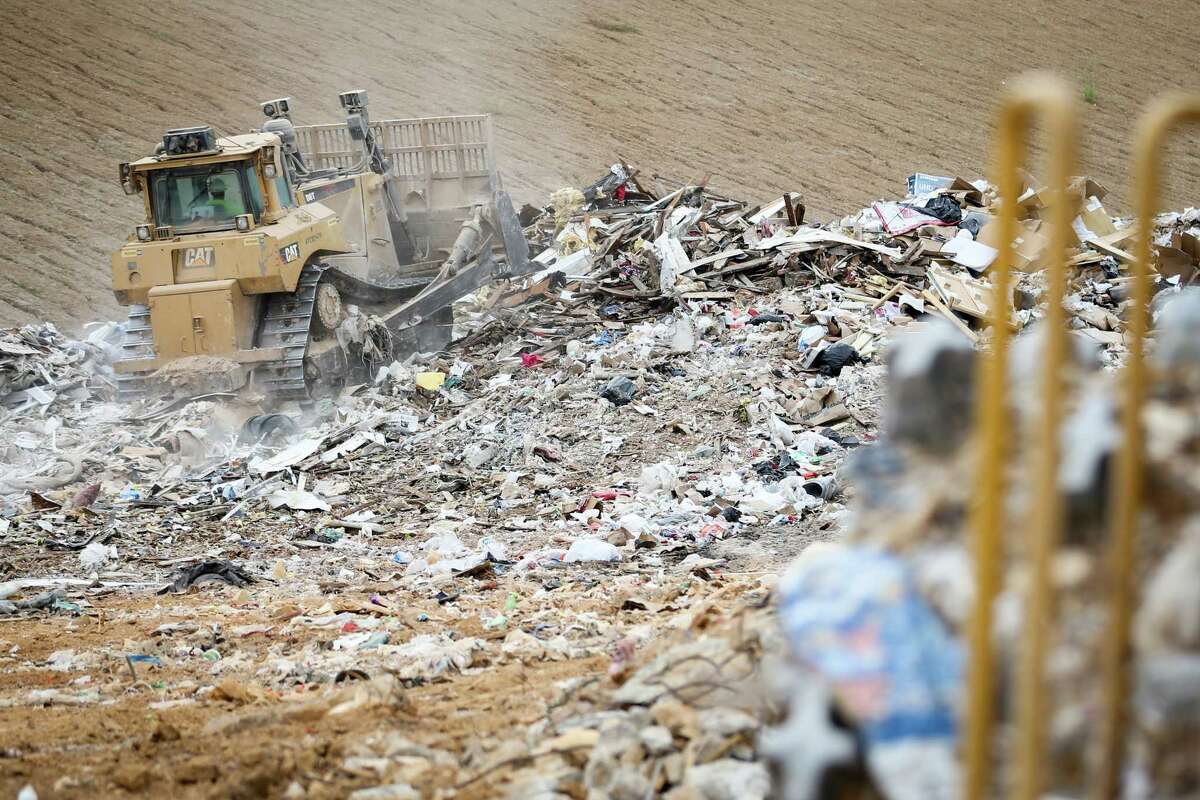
1095 218
1173 263
1029 245
923 183
1036 202
960 293
1081 187
964 192
1188 243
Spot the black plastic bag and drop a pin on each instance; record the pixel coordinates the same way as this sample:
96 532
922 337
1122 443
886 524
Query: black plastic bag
832 359
945 208
619 391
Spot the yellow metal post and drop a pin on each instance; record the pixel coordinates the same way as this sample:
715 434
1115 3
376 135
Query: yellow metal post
1046 515
1051 99
1165 114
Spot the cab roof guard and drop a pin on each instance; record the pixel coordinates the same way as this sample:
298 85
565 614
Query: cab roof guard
449 162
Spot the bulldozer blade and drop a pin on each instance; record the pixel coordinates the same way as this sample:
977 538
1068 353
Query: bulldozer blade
515 247
441 294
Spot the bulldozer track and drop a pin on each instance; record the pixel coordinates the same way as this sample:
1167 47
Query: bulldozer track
136 344
287 324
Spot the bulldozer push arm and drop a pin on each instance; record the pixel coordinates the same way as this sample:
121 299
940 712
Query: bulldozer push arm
472 264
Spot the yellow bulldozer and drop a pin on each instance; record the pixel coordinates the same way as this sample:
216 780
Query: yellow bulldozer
258 250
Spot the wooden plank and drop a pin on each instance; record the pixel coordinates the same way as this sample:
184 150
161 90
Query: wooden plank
626 293
731 253
742 266
960 293
890 294
936 302
707 295
1108 249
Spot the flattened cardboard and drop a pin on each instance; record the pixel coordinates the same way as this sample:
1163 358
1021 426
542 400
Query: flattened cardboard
1029 247
1188 243
1036 202
1095 218
964 192
1175 263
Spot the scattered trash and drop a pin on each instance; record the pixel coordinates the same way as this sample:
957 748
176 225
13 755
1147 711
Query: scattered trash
208 572
297 499
480 505
619 391
430 381
86 496
97 555
288 457
856 617
831 360
591 550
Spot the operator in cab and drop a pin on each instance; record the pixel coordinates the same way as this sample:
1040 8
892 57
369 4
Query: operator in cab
223 206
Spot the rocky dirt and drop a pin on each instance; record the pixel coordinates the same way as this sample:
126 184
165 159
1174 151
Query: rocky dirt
833 100
244 747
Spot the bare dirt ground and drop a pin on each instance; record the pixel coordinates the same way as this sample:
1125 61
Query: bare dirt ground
837 100
245 747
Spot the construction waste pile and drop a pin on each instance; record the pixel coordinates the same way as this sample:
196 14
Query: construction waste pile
683 513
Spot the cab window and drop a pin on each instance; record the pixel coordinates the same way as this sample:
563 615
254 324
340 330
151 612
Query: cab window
283 187
205 198
257 204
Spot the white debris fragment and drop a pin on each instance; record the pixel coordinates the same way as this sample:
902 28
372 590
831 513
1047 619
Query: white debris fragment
96 555
591 550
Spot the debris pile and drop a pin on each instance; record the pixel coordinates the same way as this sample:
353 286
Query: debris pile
577 513
621 249
907 587
854 682
39 366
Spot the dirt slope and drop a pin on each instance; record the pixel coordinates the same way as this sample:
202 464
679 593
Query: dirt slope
839 101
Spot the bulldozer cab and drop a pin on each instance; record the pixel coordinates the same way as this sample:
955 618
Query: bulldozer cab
205 198
206 191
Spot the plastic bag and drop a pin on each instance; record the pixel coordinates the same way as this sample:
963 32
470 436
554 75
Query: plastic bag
591 550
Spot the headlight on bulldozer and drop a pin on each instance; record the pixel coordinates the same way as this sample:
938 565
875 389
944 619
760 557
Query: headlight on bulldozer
143 233
245 222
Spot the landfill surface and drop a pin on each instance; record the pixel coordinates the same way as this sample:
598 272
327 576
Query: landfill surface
833 100
681 514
